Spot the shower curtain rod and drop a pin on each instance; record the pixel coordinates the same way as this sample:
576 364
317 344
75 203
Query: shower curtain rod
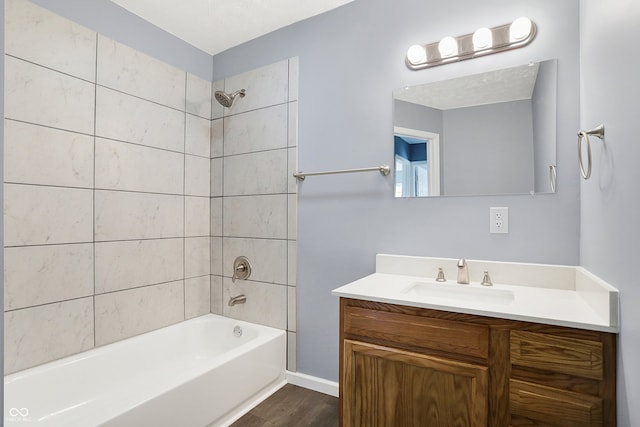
384 170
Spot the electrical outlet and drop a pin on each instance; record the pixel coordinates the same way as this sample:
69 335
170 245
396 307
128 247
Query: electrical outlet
498 220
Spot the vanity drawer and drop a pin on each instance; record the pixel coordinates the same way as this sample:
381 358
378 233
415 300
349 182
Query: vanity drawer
417 331
564 355
547 406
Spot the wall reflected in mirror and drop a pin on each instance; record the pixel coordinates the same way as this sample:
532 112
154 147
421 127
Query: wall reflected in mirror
485 134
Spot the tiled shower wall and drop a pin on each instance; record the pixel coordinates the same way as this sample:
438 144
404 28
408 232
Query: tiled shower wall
107 190
253 204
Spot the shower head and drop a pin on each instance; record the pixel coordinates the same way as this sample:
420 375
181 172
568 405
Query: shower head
225 99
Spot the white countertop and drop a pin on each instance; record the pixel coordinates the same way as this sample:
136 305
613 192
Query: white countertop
573 297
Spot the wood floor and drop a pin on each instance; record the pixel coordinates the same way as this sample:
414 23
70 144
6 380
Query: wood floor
293 406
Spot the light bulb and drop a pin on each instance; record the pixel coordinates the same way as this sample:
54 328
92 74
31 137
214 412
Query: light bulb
416 54
448 46
520 29
482 39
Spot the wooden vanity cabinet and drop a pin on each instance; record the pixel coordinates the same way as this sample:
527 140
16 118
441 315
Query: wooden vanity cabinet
407 366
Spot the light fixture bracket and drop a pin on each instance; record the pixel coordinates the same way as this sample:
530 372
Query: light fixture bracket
501 40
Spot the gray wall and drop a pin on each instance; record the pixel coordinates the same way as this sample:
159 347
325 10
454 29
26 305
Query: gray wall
610 200
2 191
544 124
489 149
349 66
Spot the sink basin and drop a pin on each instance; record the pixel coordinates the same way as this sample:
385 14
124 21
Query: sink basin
459 292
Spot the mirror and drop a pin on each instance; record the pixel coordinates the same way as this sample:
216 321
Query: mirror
485 134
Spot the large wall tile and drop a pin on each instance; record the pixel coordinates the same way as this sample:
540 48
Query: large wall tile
129 264
197 216
198 136
292 348
292 214
292 133
216 216
127 118
291 308
292 167
132 312
216 177
37 275
197 296
35 215
216 295
128 70
292 263
38 35
132 167
255 216
197 181
40 334
39 95
217 138
198 96
216 256
268 258
197 256
129 216
217 110
266 304
42 155
264 86
264 172
264 129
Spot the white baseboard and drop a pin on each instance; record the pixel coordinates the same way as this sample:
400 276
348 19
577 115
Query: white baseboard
313 383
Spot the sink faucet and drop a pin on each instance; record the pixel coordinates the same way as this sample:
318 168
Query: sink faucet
463 272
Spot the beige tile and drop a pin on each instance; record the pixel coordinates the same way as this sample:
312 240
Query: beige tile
217 110
292 125
129 264
132 312
292 263
258 130
197 216
292 216
39 95
292 302
268 258
256 173
198 96
216 177
37 275
255 216
197 178
132 167
197 294
264 87
266 304
292 167
197 256
216 295
41 155
216 216
130 216
38 35
128 70
198 136
292 352
127 118
35 215
41 334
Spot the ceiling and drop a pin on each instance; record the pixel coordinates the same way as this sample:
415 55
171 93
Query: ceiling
509 84
217 25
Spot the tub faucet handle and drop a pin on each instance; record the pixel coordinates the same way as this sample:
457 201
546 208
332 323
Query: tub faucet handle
241 269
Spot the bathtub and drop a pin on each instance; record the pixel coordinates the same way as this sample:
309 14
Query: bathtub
196 373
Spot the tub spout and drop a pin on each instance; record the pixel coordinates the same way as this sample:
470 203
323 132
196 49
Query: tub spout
240 299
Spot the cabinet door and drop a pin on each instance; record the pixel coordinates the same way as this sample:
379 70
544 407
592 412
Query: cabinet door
382 386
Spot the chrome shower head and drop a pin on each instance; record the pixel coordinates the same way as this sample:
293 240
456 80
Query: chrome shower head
225 99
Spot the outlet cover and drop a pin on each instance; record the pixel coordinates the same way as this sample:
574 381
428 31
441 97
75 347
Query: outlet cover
499 220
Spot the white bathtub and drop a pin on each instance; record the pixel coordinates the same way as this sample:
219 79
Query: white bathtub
195 373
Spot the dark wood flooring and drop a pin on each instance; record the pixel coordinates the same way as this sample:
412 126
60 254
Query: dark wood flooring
293 406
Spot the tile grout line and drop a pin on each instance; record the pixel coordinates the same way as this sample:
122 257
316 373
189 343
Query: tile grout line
184 205
95 118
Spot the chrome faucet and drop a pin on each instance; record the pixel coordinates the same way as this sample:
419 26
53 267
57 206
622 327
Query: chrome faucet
240 299
463 272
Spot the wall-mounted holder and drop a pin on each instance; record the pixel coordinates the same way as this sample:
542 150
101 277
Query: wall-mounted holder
552 177
241 269
584 136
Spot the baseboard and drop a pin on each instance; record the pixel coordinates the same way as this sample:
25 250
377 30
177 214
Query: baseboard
313 383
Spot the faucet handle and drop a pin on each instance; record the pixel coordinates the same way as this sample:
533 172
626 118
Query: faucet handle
440 277
486 280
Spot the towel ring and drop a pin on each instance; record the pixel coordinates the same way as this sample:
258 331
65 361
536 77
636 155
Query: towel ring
552 177
584 135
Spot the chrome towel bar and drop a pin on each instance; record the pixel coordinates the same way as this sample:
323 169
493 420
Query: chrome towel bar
384 170
584 135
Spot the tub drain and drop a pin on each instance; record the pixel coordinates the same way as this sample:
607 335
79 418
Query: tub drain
237 331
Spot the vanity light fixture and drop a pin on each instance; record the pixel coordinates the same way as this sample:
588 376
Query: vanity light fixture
482 42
